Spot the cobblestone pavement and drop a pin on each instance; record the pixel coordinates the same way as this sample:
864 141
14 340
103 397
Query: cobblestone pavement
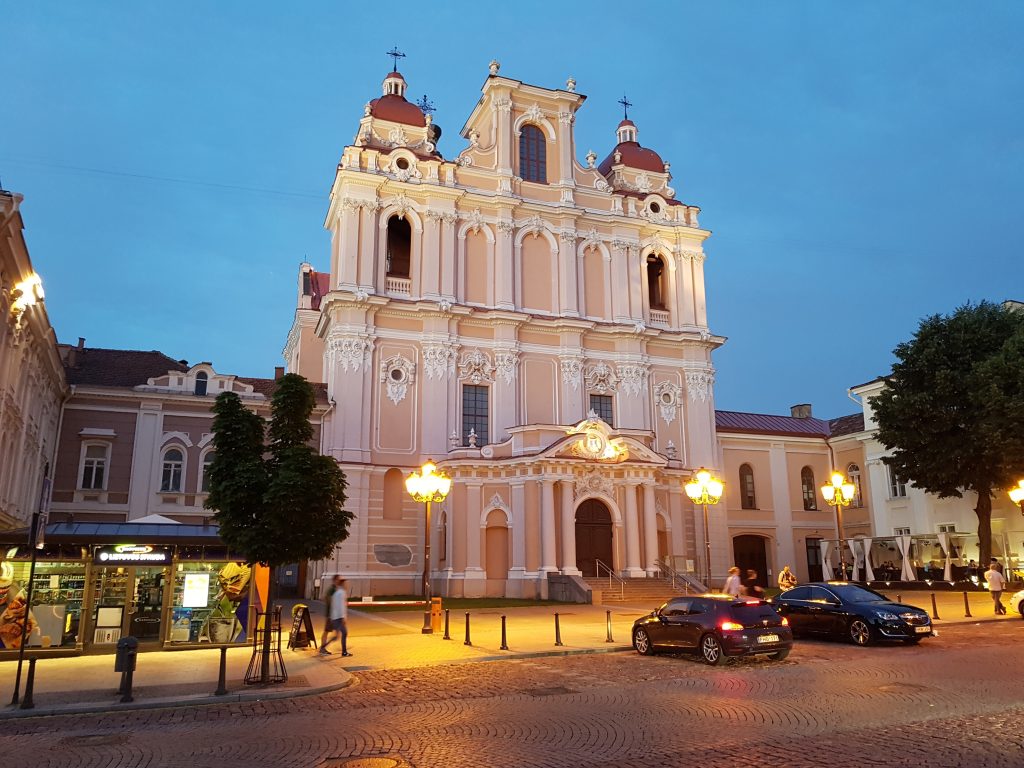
955 700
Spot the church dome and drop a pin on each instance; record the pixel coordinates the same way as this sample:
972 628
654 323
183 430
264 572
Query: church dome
392 105
630 153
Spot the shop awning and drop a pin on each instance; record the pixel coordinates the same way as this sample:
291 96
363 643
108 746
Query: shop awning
121 533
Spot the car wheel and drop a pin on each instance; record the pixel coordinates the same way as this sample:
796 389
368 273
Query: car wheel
860 632
779 655
711 650
642 643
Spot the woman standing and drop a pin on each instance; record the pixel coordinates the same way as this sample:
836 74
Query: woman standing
732 584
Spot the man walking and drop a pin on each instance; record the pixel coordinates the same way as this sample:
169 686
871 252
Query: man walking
996 585
338 617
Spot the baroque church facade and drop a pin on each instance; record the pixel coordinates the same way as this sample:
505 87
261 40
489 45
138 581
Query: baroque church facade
535 325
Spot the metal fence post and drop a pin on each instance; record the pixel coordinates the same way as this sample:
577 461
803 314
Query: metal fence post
467 642
935 610
504 641
447 636
608 620
558 632
967 607
222 686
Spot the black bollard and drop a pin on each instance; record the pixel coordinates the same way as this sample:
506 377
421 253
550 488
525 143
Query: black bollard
558 632
126 684
967 607
467 642
504 642
899 598
222 678
935 610
446 617
26 702
608 620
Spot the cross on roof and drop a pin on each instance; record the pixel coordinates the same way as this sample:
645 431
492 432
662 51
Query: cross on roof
425 105
395 54
626 104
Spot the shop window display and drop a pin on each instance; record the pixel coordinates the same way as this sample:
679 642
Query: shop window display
211 602
57 595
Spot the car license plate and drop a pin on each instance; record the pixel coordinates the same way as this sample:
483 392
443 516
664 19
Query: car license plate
922 629
768 638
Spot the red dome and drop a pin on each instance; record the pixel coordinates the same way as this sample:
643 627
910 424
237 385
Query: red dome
633 156
397 110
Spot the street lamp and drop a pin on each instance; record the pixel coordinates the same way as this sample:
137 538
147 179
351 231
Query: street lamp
705 489
1017 495
426 486
837 493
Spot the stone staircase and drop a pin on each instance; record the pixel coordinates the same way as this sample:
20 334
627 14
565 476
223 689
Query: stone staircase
650 592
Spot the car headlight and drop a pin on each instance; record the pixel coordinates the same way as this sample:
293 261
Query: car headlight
886 616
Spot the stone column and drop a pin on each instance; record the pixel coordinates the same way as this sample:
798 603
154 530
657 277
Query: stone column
547 532
504 278
430 267
569 529
620 279
700 306
568 279
650 529
475 574
633 568
684 288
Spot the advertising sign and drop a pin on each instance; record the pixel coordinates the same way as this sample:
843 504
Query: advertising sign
196 591
132 554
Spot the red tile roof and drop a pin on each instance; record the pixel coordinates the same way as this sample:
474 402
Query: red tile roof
116 367
320 284
397 110
632 155
266 387
738 422
846 425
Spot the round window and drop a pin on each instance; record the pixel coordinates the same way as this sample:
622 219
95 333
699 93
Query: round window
402 164
666 398
397 374
655 208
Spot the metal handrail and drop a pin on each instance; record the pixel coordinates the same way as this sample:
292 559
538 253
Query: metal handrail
687 580
598 564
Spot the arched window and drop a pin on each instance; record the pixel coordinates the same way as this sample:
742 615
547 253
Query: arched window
533 155
174 461
747 499
399 246
394 490
853 474
201 381
655 281
807 488
204 470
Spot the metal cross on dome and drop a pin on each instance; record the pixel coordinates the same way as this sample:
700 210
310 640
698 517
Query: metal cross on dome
395 54
425 105
626 104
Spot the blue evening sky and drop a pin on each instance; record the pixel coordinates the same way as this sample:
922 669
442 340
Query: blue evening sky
860 165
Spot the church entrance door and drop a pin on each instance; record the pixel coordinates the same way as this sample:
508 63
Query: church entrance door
593 536
750 554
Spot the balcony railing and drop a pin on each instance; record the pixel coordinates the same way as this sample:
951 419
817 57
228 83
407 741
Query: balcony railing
659 317
400 286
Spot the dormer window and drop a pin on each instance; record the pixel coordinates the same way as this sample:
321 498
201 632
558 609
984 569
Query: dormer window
533 155
201 382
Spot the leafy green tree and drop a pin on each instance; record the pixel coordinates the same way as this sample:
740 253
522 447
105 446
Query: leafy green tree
952 411
280 502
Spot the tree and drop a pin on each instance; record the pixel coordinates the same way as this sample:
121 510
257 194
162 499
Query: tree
952 411
277 503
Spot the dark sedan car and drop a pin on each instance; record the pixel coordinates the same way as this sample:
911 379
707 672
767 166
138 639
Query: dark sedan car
716 626
839 609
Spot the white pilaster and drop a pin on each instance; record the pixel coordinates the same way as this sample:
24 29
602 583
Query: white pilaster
650 530
568 529
547 520
148 429
632 533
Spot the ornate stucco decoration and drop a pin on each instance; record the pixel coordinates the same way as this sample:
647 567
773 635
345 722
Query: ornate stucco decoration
402 204
596 444
601 379
594 482
667 395
397 137
439 360
503 104
475 367
475 220
633 377
567 236
698 384
505 227
496 502
643 183
592 239
534 224
350 352
534 114
507 363
398 373
572 371
601 185
566 118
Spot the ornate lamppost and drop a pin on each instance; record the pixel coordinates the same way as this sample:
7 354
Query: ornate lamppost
428 485
704 489
1017 495
837 493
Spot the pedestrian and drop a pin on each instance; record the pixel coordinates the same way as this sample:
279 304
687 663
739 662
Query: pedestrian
787 579
996 585
750 586
331 586
732 584
993 563
339 617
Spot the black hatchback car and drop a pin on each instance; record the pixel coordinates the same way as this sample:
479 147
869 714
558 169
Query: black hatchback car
839 609
716 626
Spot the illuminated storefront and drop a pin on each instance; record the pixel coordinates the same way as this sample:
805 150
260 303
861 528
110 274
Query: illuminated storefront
170 586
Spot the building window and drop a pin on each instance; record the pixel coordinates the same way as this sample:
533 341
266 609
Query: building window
853 474
747 499
532 155
399 245
602 406
901 531
807 488
947 527
474 413
897 487
201 381
94 468
204 477
656 282
174 461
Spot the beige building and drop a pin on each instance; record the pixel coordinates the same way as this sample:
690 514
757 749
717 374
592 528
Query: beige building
31 377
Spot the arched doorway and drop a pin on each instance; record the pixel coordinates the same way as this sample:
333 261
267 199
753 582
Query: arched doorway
750 553
593 536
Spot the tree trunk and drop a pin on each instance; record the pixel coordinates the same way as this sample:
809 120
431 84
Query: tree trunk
268 623
984 513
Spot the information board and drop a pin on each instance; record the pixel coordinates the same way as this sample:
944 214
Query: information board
302 622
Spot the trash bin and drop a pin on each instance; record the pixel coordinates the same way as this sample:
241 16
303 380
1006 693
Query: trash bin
435 614
127 651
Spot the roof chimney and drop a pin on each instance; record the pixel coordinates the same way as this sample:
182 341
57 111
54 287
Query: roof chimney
801 411
81 342
278 372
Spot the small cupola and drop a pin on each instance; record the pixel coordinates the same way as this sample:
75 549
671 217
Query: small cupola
394 84
626 131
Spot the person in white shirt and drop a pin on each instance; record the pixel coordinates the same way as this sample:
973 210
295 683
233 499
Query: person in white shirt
732 584
338 617
996 585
